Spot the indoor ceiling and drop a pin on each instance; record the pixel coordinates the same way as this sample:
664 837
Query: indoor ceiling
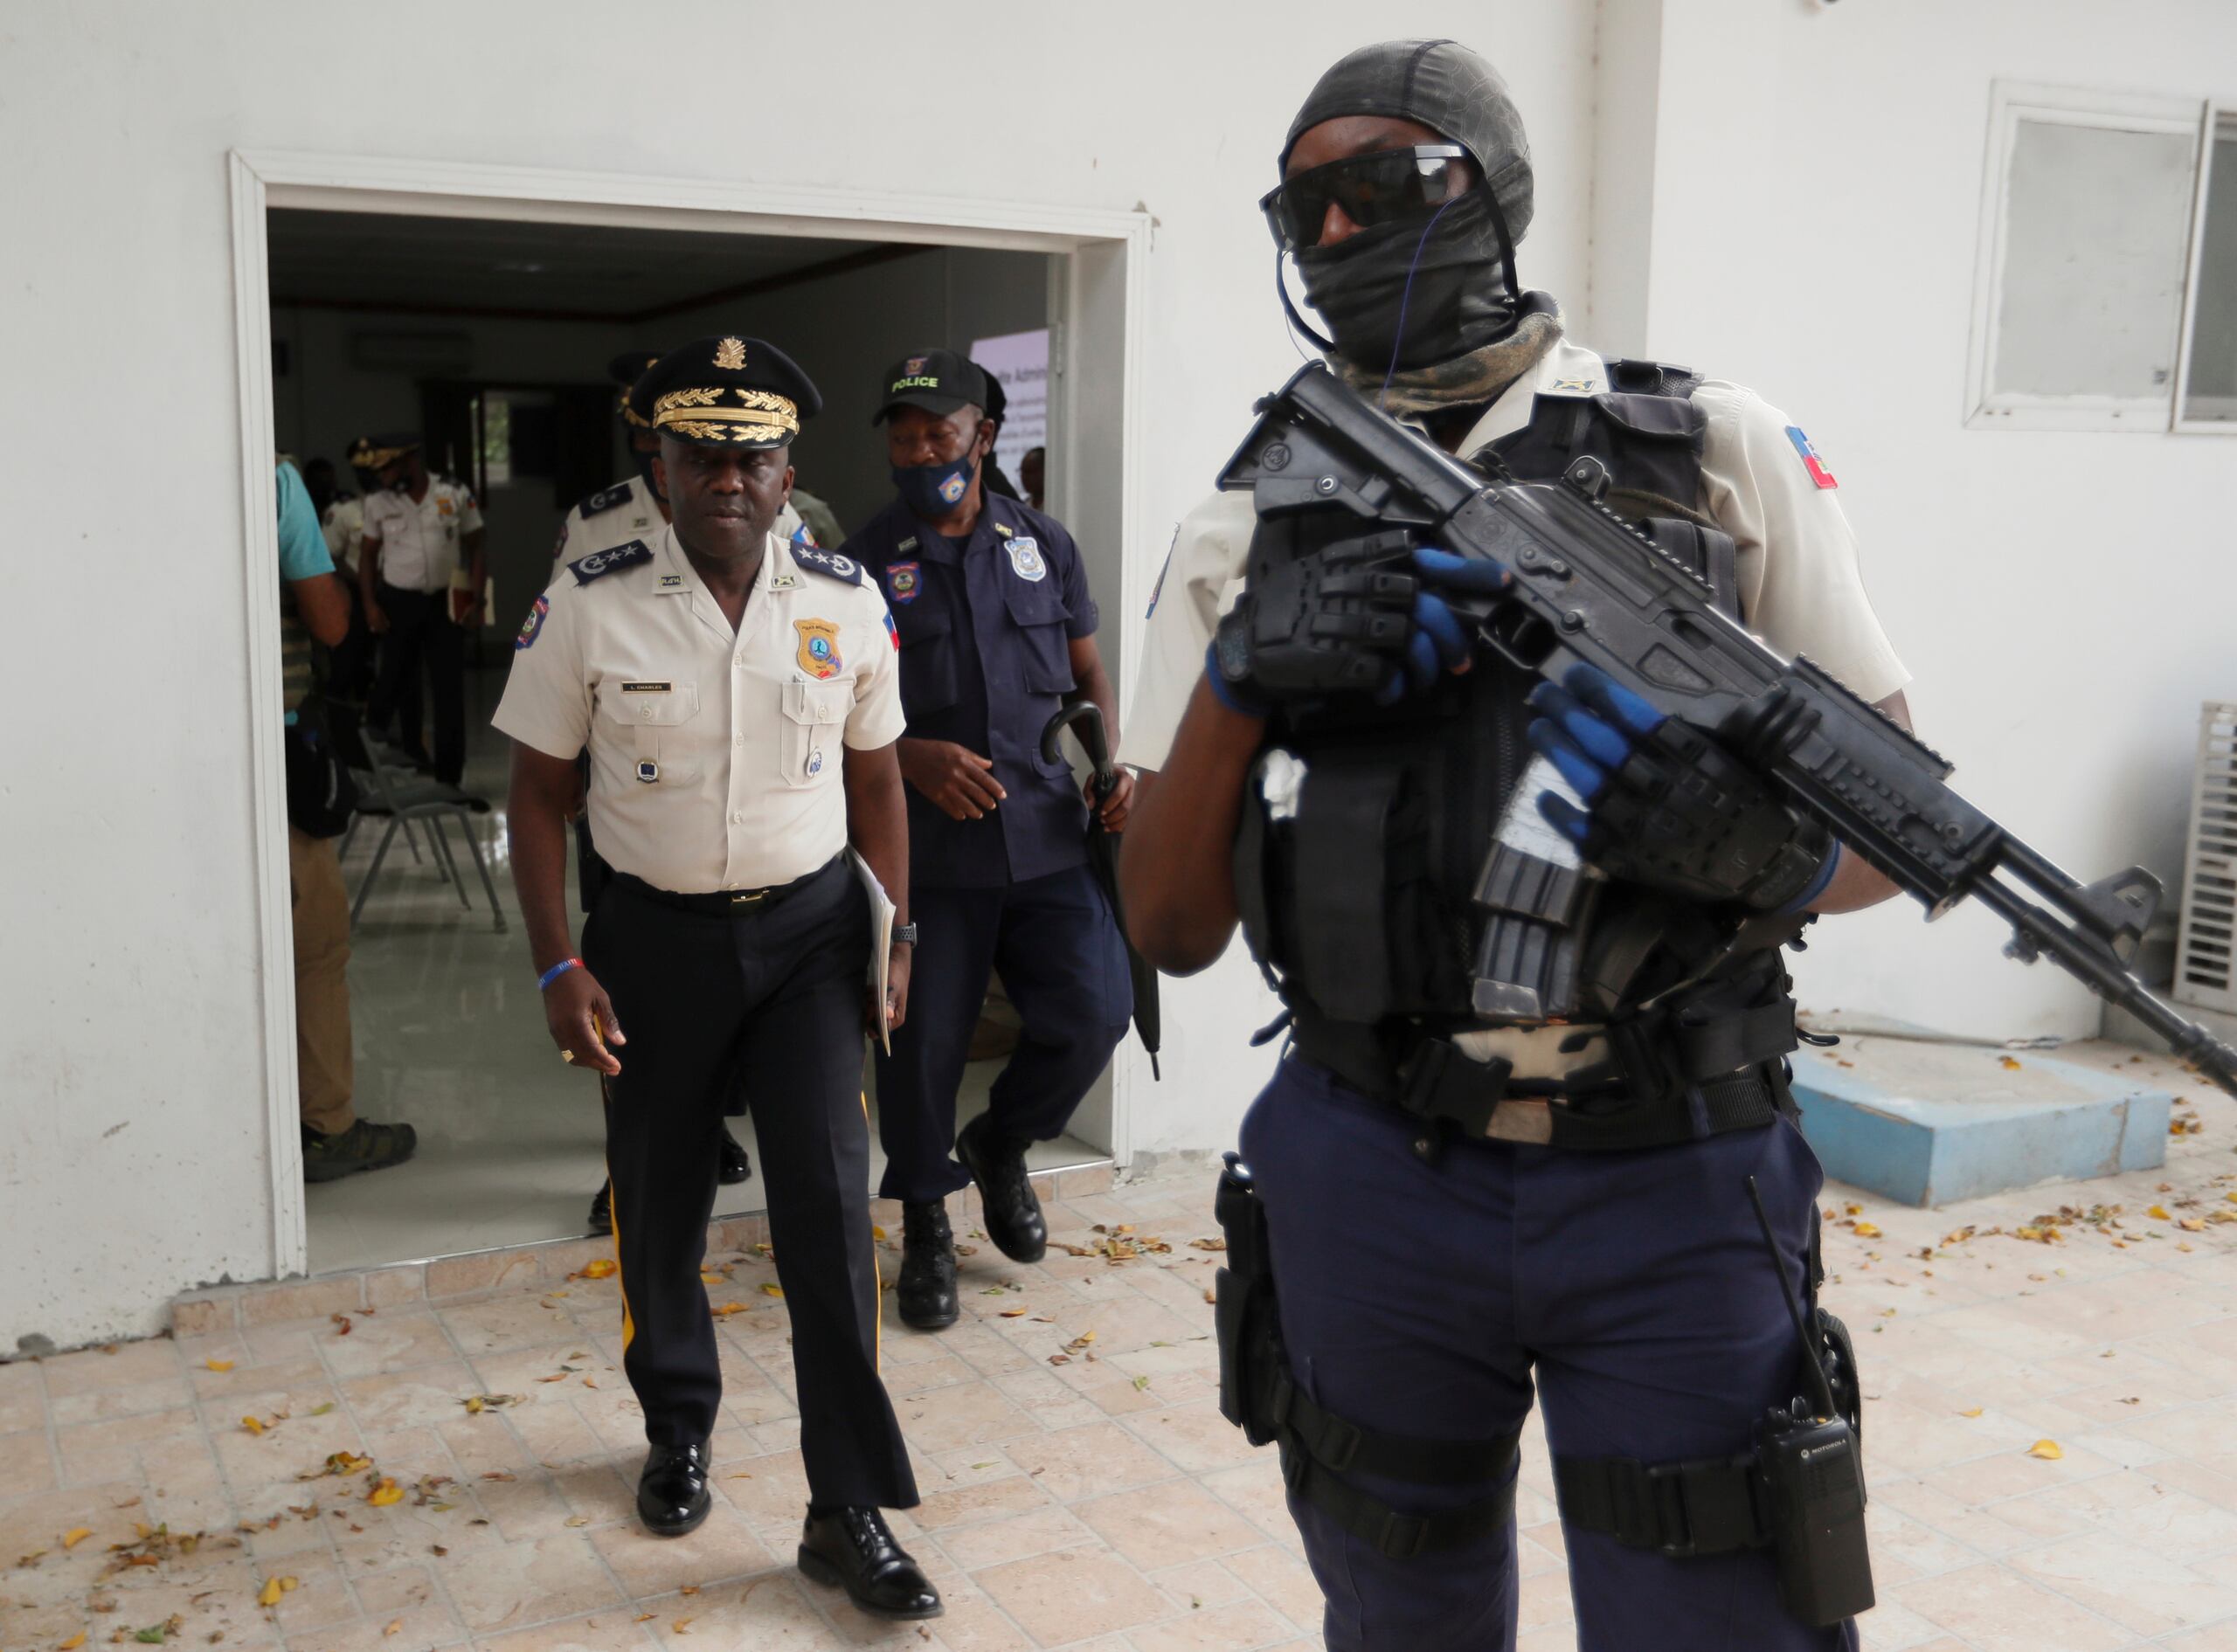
368 260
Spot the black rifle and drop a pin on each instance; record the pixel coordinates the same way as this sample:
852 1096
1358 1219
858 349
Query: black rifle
1588 587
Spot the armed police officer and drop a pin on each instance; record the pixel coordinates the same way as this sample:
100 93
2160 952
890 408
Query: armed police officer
997 629
1452 1207
739 698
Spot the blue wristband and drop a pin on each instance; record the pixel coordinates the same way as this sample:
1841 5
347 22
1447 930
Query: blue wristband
544 980
1818 885
1233 695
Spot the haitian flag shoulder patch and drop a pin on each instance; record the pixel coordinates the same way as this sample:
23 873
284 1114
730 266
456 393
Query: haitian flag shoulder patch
1811 462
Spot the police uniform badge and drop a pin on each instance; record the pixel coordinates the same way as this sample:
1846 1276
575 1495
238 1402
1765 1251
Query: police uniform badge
819 650
1026 558
534 623
905 581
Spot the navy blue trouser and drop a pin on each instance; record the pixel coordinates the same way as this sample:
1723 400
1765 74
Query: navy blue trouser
1421 1299
1064 966
773 998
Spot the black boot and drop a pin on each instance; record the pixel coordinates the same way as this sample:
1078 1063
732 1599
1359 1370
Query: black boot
854 1550
1014 1220
672 1495
602 1210
925 1292
736 1166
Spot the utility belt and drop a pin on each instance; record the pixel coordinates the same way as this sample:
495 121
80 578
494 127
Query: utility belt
1711 1063
726 904
1799 1492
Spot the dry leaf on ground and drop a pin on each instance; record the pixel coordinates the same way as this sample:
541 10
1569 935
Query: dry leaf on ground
217 1365
2046 1450
602 1268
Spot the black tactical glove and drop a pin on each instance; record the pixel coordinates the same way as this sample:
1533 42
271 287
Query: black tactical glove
1668 806
1355 615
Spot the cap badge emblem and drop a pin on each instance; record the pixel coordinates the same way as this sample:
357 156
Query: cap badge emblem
731 354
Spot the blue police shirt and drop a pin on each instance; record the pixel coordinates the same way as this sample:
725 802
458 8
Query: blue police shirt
985 626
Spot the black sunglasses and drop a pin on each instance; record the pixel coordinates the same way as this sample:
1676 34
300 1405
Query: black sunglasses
1385 187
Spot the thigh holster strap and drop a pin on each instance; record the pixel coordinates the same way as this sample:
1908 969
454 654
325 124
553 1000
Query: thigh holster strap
1707 1506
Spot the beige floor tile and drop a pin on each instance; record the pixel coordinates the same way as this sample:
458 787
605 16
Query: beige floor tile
2146 1592
1997 1609
1279 1578
396 1339
724 1549
989 1543
776 1612
1164 1525
1197 1584
974 1413
120 1366
521 1584
1196 1440
1012 1495
26 1465
1071 1595
1087 1462
1230 1628
615 1630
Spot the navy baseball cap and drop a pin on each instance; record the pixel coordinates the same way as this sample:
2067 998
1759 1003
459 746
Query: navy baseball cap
938 381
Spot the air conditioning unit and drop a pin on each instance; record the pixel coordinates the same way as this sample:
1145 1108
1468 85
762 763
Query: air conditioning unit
2205 969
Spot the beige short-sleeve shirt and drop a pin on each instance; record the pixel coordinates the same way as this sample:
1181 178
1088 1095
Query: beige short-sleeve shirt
716 759
1800 588
419 543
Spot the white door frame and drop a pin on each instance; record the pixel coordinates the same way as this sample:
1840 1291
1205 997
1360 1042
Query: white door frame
1102 348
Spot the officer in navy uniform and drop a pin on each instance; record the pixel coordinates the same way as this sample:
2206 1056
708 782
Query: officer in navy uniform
997 631
1452 1208
631 509
739 698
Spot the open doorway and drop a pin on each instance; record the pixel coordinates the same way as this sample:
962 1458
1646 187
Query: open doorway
486 336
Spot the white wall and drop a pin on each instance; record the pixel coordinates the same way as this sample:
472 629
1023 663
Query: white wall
2061 598
133 1146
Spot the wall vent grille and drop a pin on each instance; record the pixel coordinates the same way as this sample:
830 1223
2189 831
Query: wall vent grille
2205 969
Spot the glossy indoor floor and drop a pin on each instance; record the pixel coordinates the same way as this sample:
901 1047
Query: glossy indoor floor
450 1039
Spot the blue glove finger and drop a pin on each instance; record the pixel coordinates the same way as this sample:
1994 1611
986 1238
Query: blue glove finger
1565 817
1423 661
1478 574
1609 747
1611 699
1584 776
1436 624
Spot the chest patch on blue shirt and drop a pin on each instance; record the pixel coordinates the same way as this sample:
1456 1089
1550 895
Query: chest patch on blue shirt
1026 558
829 563
599 563
604 500
905 581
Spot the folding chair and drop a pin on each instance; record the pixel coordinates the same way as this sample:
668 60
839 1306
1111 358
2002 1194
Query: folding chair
401 798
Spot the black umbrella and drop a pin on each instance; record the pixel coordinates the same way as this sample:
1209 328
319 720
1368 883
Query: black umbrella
1085 722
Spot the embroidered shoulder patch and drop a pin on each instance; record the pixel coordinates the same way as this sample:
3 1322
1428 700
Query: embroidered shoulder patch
614 558
604 500
829 563
1811 462
533 623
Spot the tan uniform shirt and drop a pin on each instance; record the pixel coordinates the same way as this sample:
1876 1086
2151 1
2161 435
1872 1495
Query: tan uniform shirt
1800 589
419 543
716 758
625 511
344 525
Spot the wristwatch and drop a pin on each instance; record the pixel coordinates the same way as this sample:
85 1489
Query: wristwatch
905 935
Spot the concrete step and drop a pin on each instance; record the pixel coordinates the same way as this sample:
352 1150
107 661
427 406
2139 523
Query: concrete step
1927 1123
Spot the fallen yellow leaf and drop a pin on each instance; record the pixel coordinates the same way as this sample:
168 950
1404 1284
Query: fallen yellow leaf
682 1625
269 1595
217 1365
394 1626
603 1268
579 1520
385 1493
2158 1213
2046 1450
2191 1225
1975 1412
772 1289
73 1642
708 1276
252 1425
1013 1313
75 1536
2006 1061
1853 1208
729 1308
876 1232
1865 1230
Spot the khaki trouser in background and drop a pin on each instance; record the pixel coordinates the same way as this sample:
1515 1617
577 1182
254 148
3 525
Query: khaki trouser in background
322 914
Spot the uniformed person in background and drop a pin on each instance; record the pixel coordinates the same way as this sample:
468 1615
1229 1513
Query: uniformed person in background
421 531
997 409
997 631
1455 1208
739 698
341 521
631 509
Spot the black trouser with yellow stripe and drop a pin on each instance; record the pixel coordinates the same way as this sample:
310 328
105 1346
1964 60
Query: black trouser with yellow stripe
775 996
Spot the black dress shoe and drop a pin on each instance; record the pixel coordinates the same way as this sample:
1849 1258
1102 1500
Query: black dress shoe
1013 1221
737 1167
602 1209
672 1495
926 1293
853 1550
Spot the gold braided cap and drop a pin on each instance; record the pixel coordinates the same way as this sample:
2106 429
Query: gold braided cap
366 456
628 413
702 415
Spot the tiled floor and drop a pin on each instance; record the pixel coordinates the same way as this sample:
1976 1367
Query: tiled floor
450 1038
1100 1503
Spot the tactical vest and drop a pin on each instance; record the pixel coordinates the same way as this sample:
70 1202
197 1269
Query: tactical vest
1360 851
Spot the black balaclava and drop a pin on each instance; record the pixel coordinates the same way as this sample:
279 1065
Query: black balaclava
1455 282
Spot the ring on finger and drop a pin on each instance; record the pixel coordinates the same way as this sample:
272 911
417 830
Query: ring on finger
566 1055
